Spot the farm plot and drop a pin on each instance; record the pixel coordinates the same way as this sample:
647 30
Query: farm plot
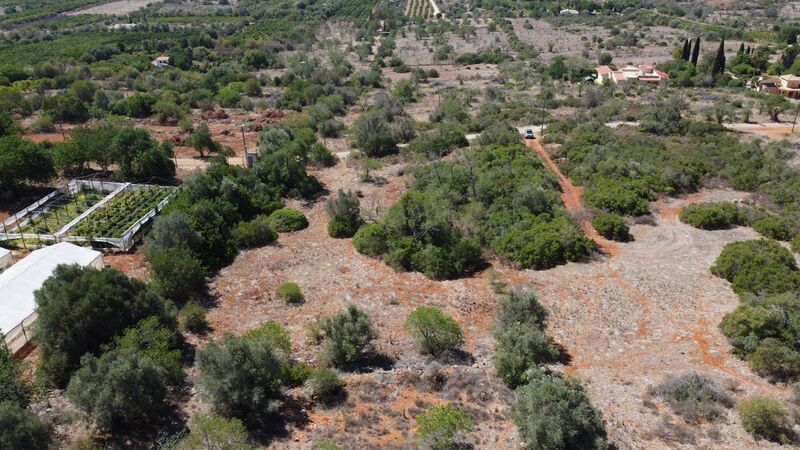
114 218
419 8
63 210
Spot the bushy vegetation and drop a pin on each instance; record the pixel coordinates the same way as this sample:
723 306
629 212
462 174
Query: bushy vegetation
241 376
434 332
176 273
254 233
21 428
348 337
438 425
761 267
344 214
325 385
711 215
287 220
81 310
498 197
290 293
766 418
522 341
612 226
693 396
212 432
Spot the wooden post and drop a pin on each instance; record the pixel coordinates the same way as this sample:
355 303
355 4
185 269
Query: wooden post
244 146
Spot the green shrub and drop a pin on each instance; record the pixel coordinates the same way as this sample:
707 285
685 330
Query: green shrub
255 233
612 226
273 333
520 348
438 425
192 318
121 389
766 418
616 197
344 213
13 387
325 385
762 330
290 293
241 377
176 273
213 432
522 342
348 337
80 310
711 215
772 226
796 243
553 412
370 240
759 266
21 428
434 332
173 230
542 245
325 444
693 396
287 219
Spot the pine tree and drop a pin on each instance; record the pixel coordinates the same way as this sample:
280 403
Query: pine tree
719 60
749 50
686 50
741 49
696 51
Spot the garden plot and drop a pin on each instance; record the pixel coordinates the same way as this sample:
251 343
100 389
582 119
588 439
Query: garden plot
100 213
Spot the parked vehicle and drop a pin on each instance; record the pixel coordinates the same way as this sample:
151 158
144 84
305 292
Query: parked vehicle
529 134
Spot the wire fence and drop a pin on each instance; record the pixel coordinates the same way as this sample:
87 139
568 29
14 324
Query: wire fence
52 219
18 337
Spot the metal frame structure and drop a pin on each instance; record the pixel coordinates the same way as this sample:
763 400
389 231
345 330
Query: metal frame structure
13 227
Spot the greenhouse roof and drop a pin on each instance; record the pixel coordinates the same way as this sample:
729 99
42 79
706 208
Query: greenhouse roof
18 282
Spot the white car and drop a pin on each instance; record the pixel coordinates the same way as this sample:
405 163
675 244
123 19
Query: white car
529 134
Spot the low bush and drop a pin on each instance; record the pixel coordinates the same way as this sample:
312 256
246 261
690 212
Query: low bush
121 389
20 428
255 233
287 219
241 377
438 425
711 215
348 337
772 226
192 318
13 387
617 196
275 334
325 385
760 266
553 412
290 293
370 240
796 243
176 273
693 396
434 332
344 214
612 226
213 432
522 342
766 418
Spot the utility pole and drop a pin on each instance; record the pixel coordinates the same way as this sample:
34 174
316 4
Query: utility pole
244 146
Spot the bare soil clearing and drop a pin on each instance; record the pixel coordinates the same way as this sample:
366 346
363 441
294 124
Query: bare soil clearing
113 9
646 309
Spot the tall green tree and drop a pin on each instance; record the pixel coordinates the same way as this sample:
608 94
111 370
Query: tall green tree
687 50
719 60
22 160
696 51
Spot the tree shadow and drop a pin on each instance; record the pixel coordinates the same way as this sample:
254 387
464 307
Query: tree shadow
373 361
269 427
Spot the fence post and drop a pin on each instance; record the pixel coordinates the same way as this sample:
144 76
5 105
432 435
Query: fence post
22 325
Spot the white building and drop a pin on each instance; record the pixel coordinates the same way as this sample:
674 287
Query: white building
644 73
161 61
20 281
5 259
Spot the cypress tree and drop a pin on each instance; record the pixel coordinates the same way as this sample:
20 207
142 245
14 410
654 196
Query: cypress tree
686 50
719 59
741 49
749 50
696 51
